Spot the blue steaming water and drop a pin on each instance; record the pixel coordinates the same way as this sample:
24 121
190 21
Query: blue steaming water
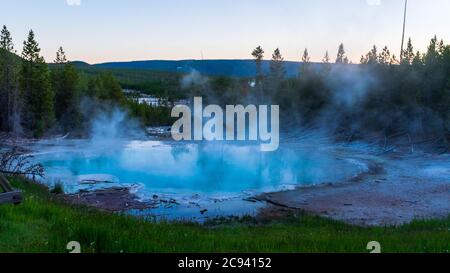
208 169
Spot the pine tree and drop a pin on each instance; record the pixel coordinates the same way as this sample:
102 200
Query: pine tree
408 53
36 88
394 60
417 61
106 88
385 56
258 54
60 56
341 58
305 63
446 111
6 42
441 48
363 59
65 81
31 49
326 58
9 97
431 57
277 70
373 55
113 89
305 57
326 63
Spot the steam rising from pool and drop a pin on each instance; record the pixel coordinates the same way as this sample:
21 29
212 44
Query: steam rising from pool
206 169
117 153
113 125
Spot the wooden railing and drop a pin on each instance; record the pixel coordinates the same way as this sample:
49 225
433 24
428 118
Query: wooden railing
7 194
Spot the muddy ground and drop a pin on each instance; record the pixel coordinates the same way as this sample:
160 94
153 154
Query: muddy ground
113 199
399 190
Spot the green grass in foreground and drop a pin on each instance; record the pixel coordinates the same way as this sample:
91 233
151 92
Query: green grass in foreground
41 224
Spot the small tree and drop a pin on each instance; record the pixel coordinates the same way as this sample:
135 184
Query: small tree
6 42
385 56
341 58
371 57
305 56
305 63
60 56
258 55
277 70
326 58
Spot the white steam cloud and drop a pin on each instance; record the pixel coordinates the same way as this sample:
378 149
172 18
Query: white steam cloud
193 78
373 2
73 2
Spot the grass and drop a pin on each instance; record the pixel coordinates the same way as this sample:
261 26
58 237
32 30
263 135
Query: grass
58 188
44 224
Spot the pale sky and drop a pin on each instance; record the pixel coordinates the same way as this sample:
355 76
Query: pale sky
124 30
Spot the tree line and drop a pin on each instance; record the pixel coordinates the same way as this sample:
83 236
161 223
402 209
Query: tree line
37 98
382 94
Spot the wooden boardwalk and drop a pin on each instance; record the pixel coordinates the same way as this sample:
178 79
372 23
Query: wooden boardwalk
7 194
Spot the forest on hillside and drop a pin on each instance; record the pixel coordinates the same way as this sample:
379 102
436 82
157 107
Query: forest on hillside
382 94
409 94
38 98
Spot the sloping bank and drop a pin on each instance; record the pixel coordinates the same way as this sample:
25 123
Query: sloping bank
44 223
407 187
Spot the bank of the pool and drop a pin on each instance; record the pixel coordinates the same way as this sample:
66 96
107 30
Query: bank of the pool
43 223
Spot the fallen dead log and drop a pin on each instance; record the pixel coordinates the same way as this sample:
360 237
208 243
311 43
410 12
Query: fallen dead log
7 194
94 182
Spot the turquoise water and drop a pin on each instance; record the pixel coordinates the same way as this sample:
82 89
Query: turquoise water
204 169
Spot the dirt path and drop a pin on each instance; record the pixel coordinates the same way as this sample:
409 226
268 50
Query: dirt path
408 188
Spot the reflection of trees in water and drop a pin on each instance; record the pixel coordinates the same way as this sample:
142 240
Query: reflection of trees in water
179 150
226 166
297 166
79 164
211 166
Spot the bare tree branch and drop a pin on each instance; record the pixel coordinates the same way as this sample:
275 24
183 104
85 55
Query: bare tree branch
17 162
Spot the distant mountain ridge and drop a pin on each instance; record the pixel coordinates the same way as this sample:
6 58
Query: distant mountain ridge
232 68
